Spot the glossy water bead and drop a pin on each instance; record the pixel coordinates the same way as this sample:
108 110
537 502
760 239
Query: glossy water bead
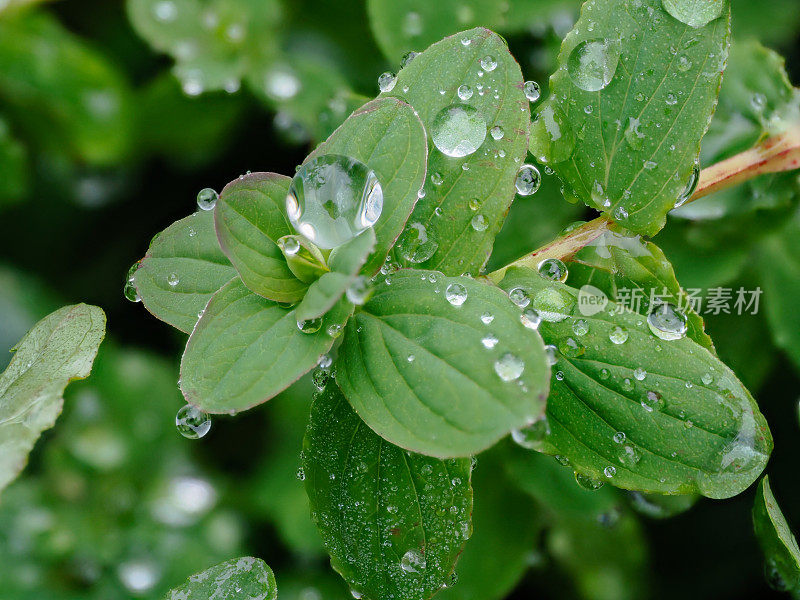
332 199
192 422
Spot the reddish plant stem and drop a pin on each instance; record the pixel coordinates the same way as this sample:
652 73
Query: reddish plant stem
777 153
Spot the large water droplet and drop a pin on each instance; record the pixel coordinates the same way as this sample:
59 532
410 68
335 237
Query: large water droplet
509 367
310 325
528 180
130 291
387 81
412 562
552 138
192 422
416 245
532 436
464 92
694 13
553 269
456 294
618 335
207 199
519 297
554 304
332 199
691 185
587 482
458 130
591 64
488 63
667 322
532 91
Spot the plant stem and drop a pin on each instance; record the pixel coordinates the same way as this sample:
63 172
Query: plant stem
777 153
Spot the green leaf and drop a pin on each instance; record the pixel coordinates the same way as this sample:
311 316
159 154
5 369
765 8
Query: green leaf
245 349
351 256
61 92
776 540
779 272
345 262
486 176
250 218
388 137
393 522
506 526
424 373
629 104
238 578
685 423
322 295
215 44
61 347
632 271
405 25
189 250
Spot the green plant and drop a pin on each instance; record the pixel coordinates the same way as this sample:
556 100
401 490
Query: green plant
469 389
434 362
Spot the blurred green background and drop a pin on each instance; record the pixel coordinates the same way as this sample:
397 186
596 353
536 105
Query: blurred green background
113 116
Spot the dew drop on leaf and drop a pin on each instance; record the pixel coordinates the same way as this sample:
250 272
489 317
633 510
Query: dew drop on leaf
519 297
416 245
509 367
532 436
173 279
488 63
359 291
191 422
479 223
691 185
694 13
332 199
553 269
310 325
387 81
528 180
458 130
207 199
497 132
532 91
667 322
530 318
407 58
618 335
587 482
591 64
456 294
412 562
464 92
552 138
554 304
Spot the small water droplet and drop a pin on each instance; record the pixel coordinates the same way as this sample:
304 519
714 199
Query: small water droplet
412 562
487 318
458 130
532 436
488 63
530 318
691 185
416 245
532 91
497 132
519 297
509 367
618 335
667 322
479 223
587 482
173 279
407 58
610 471
553 269
310 325
580 327
554 304
528 180
207 199
192 423
592 64
464 92
490 341
639 373
387 81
